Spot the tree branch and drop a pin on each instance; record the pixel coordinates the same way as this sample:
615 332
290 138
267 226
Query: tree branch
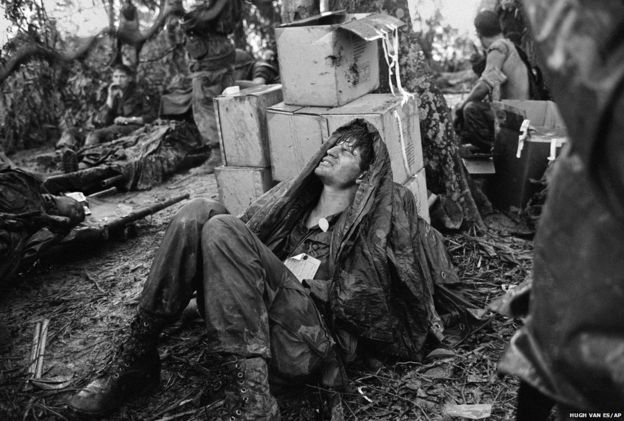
136 38
33 51
38 51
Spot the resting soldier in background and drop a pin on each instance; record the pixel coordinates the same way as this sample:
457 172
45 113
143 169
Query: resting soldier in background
505 77
376 264
125 110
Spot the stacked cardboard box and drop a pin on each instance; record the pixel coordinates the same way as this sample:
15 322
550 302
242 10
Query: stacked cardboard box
246 170
330 60
297 132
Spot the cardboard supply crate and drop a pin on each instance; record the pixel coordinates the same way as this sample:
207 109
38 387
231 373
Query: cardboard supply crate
397 122
417 184
242 125
517 163
239 186
332 59
296 133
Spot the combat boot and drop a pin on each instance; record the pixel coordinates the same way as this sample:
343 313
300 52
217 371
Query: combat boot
245 383
134 368
69 160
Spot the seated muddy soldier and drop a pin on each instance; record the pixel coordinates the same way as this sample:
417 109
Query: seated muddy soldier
505 77
372 290
126 109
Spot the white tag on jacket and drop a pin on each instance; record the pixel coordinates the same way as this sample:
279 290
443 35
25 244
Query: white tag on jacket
303 266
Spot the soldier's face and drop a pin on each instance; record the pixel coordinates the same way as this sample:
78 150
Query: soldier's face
340 167
121 79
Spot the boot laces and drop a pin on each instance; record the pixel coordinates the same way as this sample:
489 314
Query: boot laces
134 346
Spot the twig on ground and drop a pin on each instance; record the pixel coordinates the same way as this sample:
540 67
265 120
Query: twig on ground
176 416
182 402
94 281
42 346
32 367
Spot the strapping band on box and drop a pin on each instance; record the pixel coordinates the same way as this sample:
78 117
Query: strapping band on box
402 140
390 43
554 144
524 134
391 53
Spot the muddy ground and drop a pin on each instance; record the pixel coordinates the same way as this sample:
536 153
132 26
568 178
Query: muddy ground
89 294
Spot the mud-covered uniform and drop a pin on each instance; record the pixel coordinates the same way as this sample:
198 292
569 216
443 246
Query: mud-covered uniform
571 347
379 263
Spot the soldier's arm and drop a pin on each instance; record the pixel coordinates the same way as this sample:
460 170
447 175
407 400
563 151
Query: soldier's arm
492 75
203 15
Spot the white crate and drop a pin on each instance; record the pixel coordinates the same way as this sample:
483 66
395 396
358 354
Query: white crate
397 122
239 186
296 133
242 125
417 184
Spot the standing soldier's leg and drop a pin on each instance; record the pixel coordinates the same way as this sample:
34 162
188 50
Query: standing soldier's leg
478 127
208 84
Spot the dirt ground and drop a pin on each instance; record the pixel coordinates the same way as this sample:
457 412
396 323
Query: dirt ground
89 294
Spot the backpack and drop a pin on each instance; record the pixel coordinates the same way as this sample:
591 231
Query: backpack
537 88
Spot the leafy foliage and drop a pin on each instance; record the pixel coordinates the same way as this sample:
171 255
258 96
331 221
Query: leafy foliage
29 102
258 25
41 99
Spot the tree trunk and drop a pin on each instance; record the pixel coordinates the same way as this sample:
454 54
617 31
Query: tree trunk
444 168
299 9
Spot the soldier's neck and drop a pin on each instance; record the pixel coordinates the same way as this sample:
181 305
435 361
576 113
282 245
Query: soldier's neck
331 201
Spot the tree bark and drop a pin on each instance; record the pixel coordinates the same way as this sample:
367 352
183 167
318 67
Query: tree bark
443 166
299 9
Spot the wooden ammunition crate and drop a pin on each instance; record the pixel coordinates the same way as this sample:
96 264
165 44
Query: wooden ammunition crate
417 184
242 125
296 133
239 186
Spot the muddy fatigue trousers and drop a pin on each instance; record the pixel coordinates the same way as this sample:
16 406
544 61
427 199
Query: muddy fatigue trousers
108 133
478 125
252 304
207 85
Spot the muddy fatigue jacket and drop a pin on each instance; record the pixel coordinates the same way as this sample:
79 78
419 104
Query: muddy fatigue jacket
572 345
384 260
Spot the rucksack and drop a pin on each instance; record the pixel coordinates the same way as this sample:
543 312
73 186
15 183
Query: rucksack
537 88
